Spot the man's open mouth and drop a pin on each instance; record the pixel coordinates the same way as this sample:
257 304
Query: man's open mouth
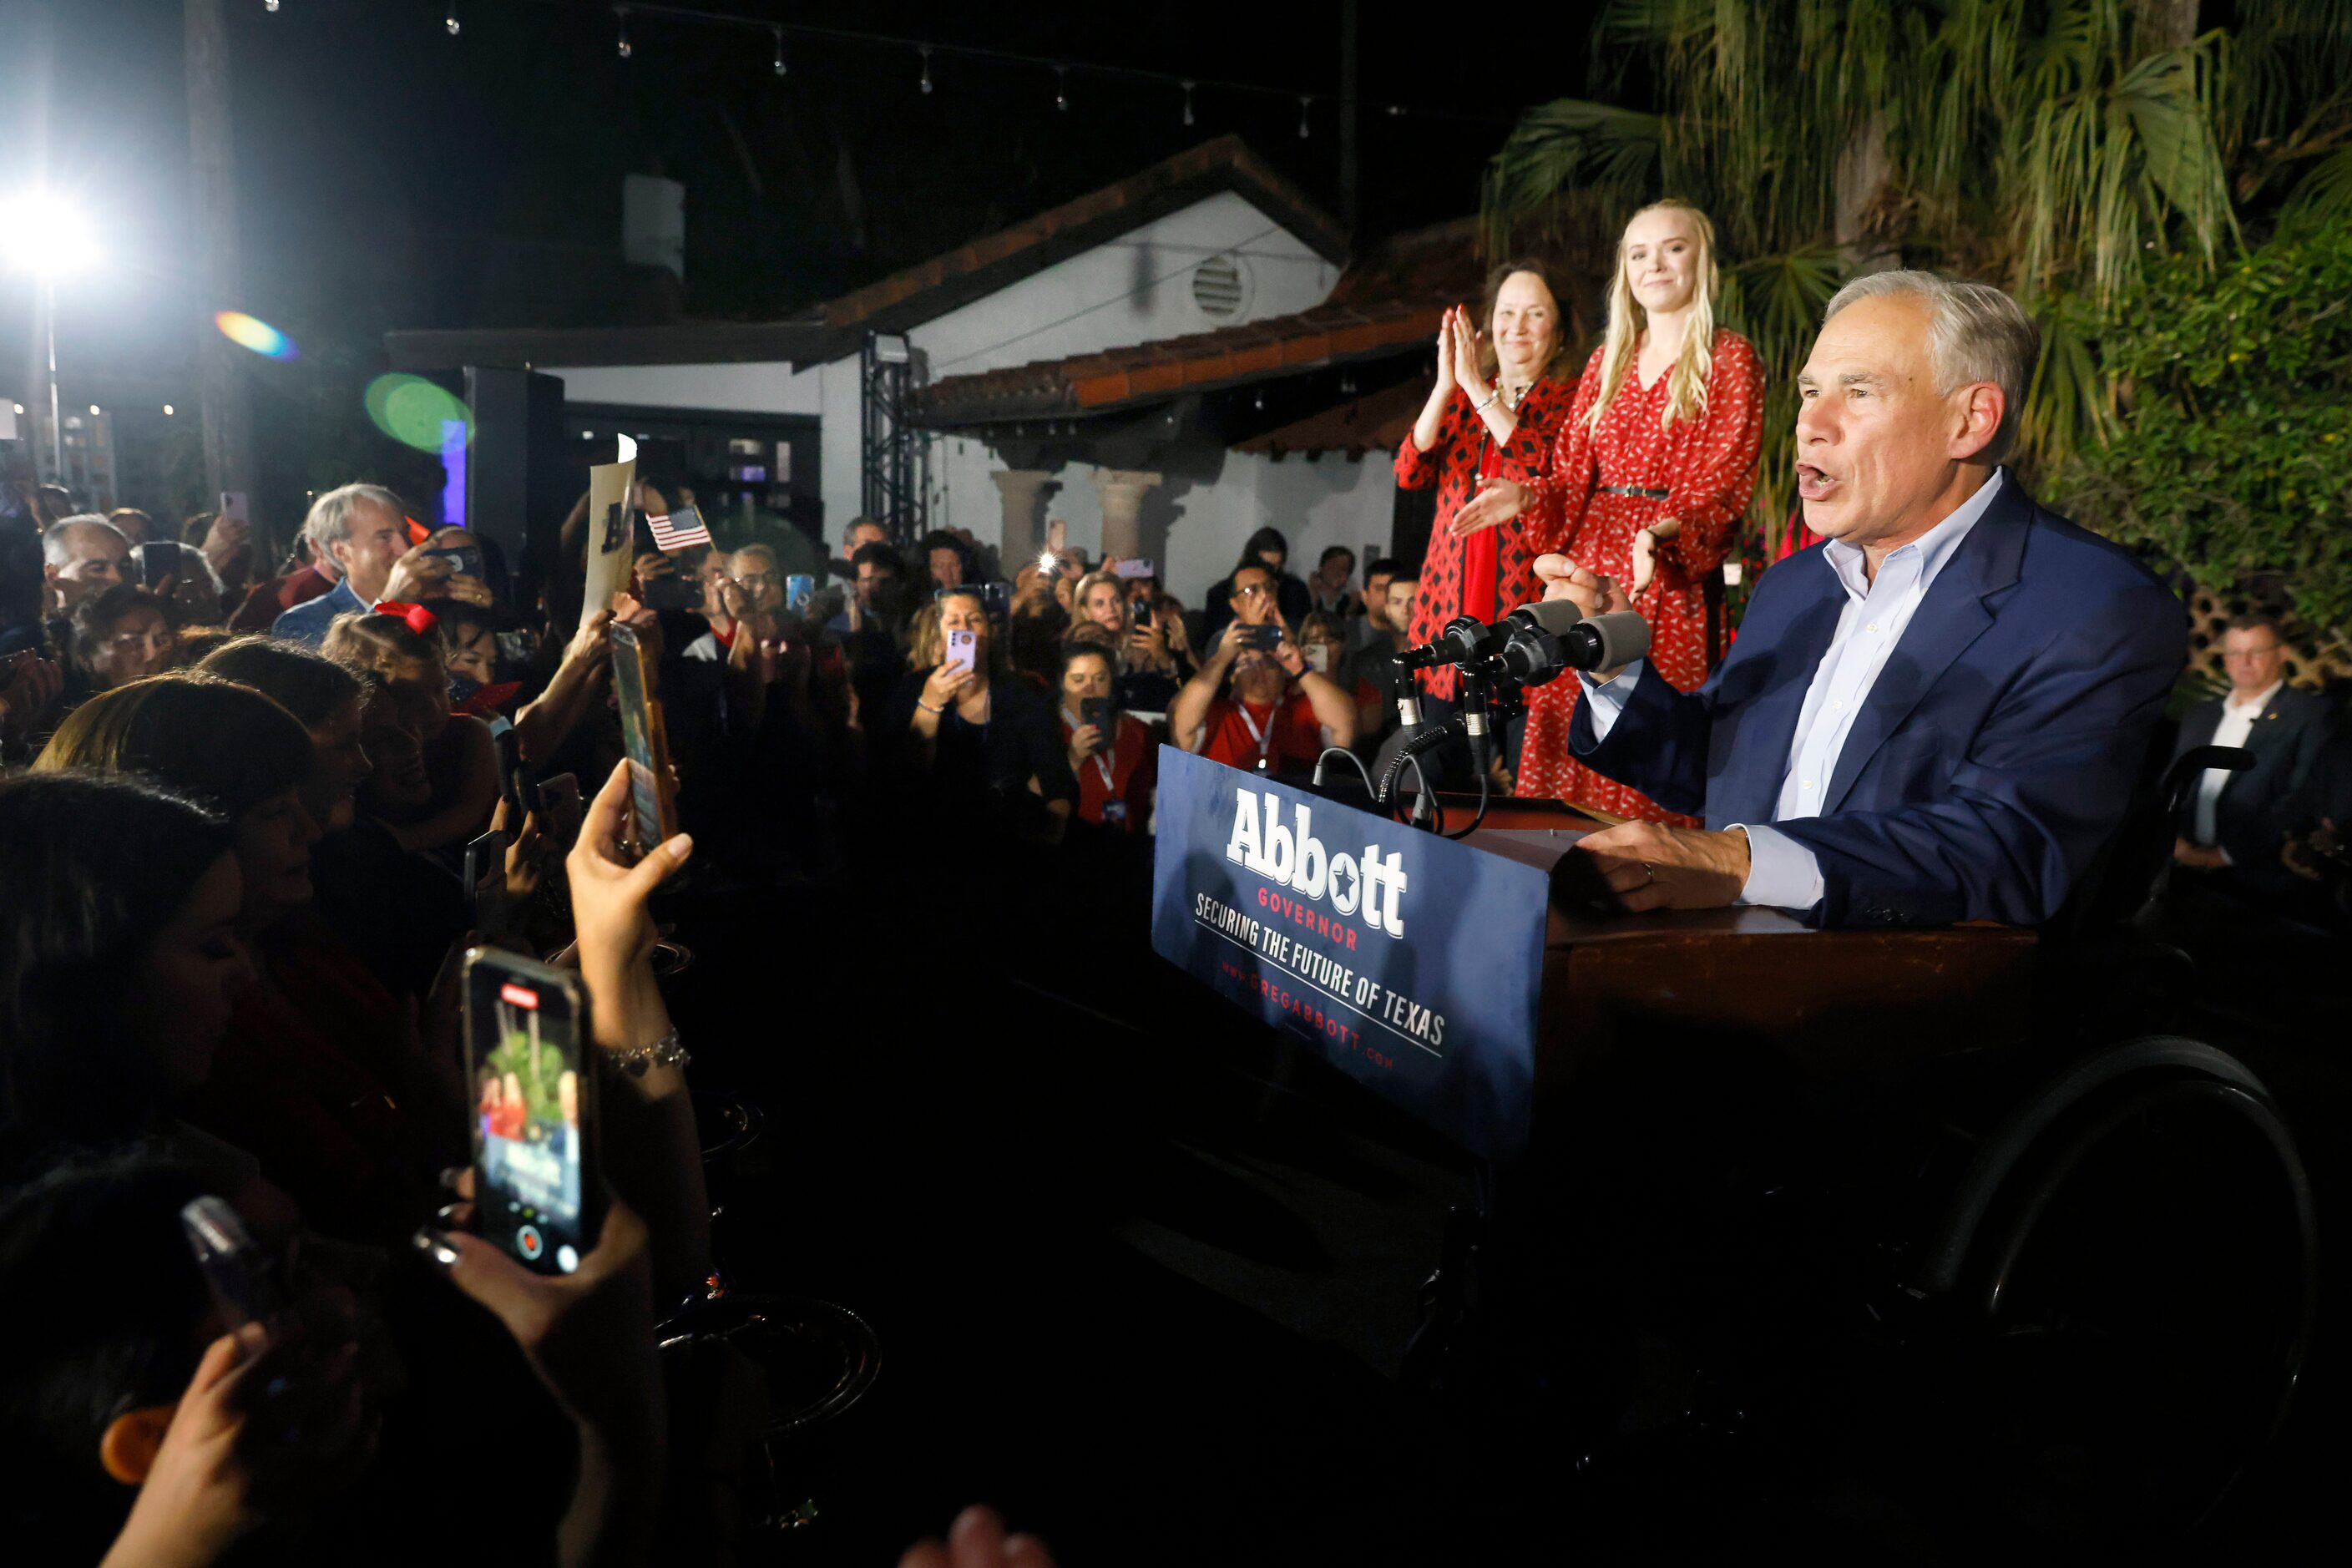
1811 483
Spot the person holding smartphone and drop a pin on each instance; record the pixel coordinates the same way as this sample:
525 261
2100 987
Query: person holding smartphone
971 729
1257 703
1110 751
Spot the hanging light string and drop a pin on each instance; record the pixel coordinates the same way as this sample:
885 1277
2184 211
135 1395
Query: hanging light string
1181 87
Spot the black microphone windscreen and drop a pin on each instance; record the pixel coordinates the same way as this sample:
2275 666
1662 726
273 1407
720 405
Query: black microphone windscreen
1550 616
1624 637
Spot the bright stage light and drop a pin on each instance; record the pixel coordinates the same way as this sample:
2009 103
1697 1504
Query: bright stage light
45 235
252 332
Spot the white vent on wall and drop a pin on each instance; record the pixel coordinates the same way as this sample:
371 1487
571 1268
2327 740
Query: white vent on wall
1220 288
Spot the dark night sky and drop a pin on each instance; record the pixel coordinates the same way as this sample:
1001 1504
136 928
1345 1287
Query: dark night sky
391 175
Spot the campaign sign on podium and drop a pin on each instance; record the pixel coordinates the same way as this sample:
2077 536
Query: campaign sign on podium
1410 962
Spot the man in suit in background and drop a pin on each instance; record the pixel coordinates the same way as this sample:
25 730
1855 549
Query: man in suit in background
1936 715
2240 819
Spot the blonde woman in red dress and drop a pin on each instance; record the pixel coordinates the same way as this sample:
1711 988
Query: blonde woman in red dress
1650 475
1495 411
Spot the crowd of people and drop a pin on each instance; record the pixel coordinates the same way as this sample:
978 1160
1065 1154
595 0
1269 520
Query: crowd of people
235 866
238 804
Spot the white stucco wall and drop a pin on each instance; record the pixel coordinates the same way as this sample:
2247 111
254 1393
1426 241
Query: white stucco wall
1133 290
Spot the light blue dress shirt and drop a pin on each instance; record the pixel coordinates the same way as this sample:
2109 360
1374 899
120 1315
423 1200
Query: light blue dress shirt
1781 871
307 622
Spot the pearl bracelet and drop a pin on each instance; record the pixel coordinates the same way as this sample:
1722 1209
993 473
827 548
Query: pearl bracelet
664 1052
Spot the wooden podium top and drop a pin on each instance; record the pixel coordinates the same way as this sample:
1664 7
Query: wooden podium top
1828 1001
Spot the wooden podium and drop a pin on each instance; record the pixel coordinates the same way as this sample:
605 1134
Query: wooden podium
1474 982
1829 1001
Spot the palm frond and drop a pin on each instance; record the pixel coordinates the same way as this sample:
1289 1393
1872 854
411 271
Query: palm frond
2323 194
1568 145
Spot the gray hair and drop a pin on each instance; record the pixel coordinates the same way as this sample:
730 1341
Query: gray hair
1975 332
330 521
57 540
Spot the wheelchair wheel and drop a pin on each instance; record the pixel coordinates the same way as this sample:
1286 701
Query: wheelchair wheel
2131 1313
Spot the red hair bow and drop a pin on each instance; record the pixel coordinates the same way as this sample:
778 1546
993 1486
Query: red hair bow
420 619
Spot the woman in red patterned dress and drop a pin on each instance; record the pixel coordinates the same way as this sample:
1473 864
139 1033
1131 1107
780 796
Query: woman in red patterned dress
1651 474
1495 412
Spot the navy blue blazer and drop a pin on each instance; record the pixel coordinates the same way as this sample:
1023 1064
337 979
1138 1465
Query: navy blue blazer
1994 756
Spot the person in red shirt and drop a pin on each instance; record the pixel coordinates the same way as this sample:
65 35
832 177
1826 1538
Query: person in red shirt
1258 708
1117 772
272 598
1493 413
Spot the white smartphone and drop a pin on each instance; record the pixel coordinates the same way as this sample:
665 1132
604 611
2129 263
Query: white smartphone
961 651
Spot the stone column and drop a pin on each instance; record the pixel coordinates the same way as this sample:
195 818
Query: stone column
1122 490
1023 491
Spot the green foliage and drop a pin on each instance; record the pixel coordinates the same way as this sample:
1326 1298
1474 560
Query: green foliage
2042 145
2233 450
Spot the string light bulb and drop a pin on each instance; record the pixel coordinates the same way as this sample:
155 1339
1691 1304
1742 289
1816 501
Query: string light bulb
925 52
1188 103
451 21
270 7
1305 100
1062 89
621 20
779 51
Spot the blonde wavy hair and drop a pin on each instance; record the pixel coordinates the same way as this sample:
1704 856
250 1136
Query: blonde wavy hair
925 644
1686 382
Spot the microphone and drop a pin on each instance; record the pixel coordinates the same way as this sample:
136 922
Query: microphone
1542 639
1465 638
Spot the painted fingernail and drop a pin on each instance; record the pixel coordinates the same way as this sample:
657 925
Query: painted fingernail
435 1248
446 1215
450 1176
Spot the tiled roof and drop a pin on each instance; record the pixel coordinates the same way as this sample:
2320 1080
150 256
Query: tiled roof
1386 303
1205 362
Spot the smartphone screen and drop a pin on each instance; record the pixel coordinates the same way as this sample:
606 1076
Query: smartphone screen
642 739
1264 638
799 591
535 1182
960 651
996 598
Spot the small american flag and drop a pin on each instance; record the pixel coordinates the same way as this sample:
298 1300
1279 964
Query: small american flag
681 530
